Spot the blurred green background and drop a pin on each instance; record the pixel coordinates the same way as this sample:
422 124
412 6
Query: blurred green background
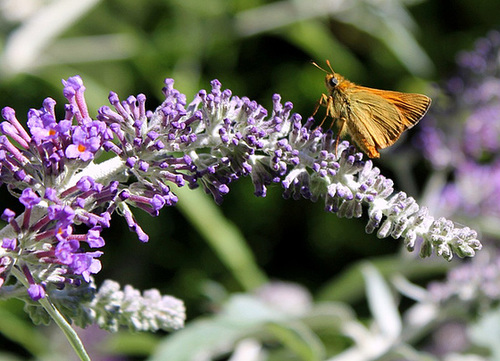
256 49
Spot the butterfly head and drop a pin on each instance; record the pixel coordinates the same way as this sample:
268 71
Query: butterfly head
332 79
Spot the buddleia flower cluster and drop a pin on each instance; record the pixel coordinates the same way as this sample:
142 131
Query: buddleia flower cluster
461 136
465 154
69 193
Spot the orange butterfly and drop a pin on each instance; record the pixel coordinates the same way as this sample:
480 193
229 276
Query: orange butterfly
373 118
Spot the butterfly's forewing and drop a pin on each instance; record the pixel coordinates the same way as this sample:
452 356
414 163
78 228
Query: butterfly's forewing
412 106
376 118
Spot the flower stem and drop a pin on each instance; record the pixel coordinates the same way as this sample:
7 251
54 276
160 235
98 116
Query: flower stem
66 328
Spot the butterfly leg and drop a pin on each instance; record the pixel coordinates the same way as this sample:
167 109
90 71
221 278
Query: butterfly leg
342 122
318 104
322 101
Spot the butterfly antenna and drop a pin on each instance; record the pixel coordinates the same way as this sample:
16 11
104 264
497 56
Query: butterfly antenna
329 66
317 66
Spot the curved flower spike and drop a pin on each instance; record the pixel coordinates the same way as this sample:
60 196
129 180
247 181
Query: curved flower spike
211 142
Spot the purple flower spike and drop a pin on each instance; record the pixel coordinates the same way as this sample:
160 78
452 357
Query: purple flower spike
467 149
131 157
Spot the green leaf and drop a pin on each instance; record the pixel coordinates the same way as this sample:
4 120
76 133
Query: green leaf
486 332
9 357
18 330
243 315
381 302
226 240
348 286
316 39
131 343
299 339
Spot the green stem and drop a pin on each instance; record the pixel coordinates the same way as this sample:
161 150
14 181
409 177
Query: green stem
66 328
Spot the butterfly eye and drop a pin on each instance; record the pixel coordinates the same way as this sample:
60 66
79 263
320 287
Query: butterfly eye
334 82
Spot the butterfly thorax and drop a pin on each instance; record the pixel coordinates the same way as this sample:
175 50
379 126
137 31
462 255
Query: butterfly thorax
338 102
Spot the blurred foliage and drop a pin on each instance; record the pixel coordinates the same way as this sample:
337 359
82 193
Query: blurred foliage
255 48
